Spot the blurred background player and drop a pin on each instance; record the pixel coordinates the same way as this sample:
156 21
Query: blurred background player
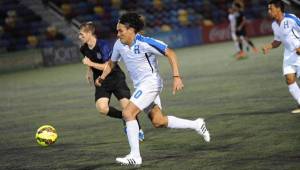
140 54
96 52
241 30
232 24
286 28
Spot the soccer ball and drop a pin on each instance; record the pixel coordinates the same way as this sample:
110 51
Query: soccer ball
46 135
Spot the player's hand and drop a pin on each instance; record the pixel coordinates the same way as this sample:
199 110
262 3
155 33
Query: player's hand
177 84
98 81
87 61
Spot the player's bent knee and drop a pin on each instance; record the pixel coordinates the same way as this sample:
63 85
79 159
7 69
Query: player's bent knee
127 115
159 121
290 78
102 109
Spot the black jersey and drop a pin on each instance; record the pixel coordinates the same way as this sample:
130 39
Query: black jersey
239 19
101 53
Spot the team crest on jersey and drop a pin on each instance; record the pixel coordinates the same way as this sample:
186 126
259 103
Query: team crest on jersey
99 56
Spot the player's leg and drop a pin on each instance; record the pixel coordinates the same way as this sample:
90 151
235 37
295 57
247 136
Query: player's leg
245 43
124 102
102 97
290 77
255 50
130 113
235 41
142 97
159 120
241 54
122 93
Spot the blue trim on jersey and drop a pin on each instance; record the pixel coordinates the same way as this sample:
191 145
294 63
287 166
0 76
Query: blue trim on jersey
296 19
105 49
157 45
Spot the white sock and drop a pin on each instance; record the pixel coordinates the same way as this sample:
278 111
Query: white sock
236 45
133 137
295 91
178 123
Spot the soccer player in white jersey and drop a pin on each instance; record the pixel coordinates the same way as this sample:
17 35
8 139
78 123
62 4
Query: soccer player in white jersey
232 24
286 28
140 54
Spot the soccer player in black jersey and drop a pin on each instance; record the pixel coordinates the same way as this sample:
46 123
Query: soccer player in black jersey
96 53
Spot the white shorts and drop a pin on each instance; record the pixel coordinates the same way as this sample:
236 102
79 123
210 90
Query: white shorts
146 96
290 69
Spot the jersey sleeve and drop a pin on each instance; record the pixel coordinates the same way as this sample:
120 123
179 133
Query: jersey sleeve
156 47
115 56
82 50
276 36
106 51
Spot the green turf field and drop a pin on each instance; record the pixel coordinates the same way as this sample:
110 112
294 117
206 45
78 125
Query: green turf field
246 105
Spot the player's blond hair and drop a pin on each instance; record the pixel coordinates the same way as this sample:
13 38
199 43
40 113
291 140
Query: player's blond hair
88 27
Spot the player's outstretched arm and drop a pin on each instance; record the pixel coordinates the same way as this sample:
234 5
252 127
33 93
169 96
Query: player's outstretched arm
266 48
106 70
177 82
89 76
89 63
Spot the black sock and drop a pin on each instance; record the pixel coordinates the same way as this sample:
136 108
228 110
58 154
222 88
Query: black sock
250 43
115 113
241 46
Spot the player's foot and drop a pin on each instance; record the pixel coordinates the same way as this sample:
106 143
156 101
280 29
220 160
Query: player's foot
130 160
255 50
202 130
141 135
240 55
297 110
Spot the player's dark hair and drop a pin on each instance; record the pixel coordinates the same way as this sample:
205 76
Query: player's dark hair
88 26
237 5
277 4
132 20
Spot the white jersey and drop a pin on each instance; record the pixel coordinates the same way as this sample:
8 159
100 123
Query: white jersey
288 33
232 21
140 58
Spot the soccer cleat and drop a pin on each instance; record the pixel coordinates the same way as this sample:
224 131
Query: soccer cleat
130 160
240 55
141 134
297 110
255 50
202 130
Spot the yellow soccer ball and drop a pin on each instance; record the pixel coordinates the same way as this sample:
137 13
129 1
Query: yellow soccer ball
46 135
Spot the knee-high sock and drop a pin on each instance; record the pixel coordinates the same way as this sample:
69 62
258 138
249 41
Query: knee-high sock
236 45
241 46
178 123
295 91
133 137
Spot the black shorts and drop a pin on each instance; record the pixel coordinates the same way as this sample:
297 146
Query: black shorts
118 87
241 32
